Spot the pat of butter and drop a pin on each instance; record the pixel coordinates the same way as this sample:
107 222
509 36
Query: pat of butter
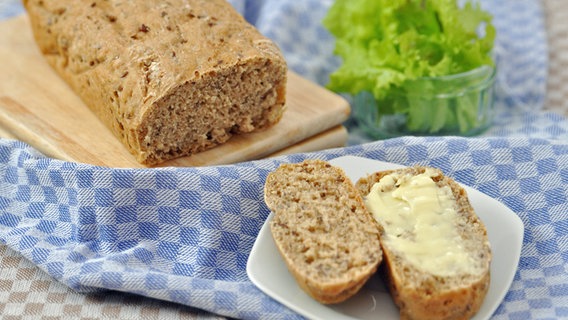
420 220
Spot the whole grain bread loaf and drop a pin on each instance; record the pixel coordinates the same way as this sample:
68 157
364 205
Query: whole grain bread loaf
169 78
421 294
325 234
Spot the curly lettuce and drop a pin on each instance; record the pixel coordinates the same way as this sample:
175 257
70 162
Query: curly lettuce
386 44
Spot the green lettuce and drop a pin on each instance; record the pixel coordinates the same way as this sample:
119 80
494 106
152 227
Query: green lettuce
386 45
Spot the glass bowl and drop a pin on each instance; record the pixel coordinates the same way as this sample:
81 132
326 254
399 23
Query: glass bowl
460 104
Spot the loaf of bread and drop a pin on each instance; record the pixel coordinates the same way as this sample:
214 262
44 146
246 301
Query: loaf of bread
321 227
169 78
436 251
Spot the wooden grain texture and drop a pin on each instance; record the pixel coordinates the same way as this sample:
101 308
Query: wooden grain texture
37 107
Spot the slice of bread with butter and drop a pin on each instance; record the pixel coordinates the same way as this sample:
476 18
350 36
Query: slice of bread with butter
436 251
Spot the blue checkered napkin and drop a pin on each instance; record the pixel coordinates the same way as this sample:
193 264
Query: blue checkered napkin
521 52
181 235
184 234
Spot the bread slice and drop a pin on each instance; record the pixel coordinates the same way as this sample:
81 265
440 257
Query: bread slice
429 289
168 78
325 234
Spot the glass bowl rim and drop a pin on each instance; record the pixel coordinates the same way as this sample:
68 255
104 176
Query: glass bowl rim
486 73
461 75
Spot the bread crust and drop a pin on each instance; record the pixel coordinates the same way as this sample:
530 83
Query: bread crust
432 297
170 78
322 229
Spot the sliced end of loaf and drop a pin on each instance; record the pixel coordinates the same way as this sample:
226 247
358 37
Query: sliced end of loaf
420 295
321 227
210 109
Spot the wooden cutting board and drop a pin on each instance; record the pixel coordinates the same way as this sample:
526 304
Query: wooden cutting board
37 107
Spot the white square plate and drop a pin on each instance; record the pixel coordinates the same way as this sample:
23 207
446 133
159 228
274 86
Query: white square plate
268 272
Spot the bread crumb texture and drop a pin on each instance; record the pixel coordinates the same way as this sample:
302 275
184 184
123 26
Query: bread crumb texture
322 228
422 295
168 78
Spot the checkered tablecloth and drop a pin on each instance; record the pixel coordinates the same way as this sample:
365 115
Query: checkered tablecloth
174 242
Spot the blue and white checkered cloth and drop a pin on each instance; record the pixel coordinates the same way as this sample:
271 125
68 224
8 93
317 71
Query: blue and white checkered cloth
185 234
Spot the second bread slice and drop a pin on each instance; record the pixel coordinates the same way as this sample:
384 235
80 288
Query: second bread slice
437 258
328 239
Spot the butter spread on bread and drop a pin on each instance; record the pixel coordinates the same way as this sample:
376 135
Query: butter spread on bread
322 229
436 251
168 78
419 219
